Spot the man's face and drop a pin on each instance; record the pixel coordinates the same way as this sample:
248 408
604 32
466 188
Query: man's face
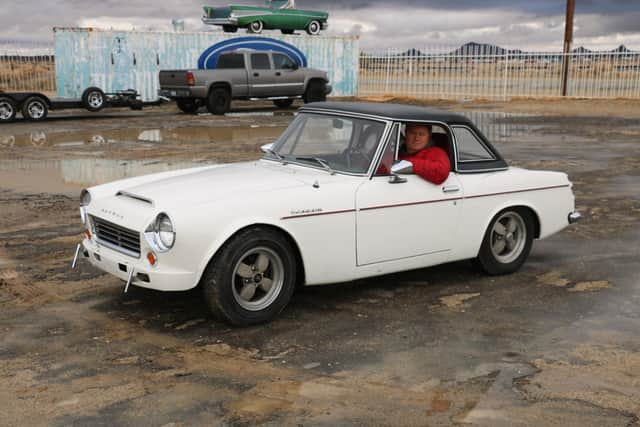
417 138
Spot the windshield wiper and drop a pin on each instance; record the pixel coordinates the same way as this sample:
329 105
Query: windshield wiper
276 155
319 161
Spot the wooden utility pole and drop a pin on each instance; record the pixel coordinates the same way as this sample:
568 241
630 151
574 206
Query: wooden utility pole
568 37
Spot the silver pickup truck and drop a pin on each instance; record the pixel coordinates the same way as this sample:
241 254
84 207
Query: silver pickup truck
245 74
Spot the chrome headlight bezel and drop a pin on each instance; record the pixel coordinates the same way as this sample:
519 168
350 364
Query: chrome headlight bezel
85 200
161 233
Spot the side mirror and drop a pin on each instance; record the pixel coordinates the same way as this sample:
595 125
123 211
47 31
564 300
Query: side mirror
402 167
266 147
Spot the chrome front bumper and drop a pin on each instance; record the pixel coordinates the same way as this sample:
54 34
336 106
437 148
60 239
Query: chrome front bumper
574 217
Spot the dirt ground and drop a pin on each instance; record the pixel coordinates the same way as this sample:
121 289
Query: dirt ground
556 343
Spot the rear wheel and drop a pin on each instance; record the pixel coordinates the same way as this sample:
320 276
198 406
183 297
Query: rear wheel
93 99
35 109
256 27
252 278
219 101
7 109
314 28
507 241
283 103
316 92
187 105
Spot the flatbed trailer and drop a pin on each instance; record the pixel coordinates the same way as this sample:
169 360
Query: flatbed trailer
35 106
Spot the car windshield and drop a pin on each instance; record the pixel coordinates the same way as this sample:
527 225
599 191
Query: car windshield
333 143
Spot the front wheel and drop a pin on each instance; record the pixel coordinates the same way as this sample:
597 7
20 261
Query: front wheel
35 109
507 241
252 278
314 28
7 109
283 103
219 101
256 27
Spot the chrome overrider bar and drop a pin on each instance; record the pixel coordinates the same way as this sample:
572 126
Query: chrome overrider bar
574 217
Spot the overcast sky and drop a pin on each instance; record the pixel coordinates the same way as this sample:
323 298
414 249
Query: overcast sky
530 24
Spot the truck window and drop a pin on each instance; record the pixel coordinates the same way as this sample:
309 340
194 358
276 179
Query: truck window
231 61
283 62
260 61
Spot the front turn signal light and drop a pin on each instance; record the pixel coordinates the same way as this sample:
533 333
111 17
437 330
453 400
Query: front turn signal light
151 257
88 234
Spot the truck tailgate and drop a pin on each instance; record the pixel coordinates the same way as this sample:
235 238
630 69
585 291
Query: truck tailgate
173 78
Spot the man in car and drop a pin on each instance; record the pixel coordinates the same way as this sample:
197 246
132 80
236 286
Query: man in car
429 162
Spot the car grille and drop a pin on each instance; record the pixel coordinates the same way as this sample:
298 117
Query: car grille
116 237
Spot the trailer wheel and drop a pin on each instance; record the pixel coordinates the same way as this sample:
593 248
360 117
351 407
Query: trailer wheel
93 99
7 109
35 109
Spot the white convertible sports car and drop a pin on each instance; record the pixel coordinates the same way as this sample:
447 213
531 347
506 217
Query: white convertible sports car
327 203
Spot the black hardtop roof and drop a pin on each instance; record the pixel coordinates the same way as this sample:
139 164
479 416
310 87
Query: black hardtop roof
401 112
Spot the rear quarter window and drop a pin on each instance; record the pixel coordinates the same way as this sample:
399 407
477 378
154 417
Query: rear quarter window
230 61
470 147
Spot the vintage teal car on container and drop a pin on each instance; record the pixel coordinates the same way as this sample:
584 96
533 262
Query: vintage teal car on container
278 15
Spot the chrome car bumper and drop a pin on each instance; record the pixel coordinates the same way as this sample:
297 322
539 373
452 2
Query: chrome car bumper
220 21
574 217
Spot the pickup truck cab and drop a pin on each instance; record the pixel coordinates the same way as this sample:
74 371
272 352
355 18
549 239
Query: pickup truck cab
244 74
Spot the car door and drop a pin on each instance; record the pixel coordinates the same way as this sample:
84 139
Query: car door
261 75
289 78
408 219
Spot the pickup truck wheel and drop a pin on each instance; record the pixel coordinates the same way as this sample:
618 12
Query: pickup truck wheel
219 101
229 28
252 277
507 242
7 109
35 109
316 92
187 105
256 27
93 99
283 103
314 28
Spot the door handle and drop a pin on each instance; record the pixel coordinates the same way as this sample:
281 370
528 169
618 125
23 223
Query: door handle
256 74
278 73
450 189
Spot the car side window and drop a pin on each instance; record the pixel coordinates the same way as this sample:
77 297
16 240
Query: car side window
470 147
389 153
260 61
230 61
283 62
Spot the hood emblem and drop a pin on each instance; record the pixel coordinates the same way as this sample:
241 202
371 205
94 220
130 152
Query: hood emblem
112 213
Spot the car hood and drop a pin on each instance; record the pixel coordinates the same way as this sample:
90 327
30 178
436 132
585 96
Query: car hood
222 182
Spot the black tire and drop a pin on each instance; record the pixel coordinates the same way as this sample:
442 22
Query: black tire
316 92
7 109
508 260
93 99
35 109
256 27
224 281
219 101
287 31
283 103
187 105
313 29
229 28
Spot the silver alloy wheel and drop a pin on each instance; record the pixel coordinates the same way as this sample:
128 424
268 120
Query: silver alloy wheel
6 110
314 28
256 27
95 99
508 237
36 109
257 278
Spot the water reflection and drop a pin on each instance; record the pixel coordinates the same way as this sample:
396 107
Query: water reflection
116 136
71 174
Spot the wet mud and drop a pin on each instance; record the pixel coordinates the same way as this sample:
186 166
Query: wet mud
556 343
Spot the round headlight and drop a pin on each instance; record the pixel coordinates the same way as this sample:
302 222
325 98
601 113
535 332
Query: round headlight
85 198
164 231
